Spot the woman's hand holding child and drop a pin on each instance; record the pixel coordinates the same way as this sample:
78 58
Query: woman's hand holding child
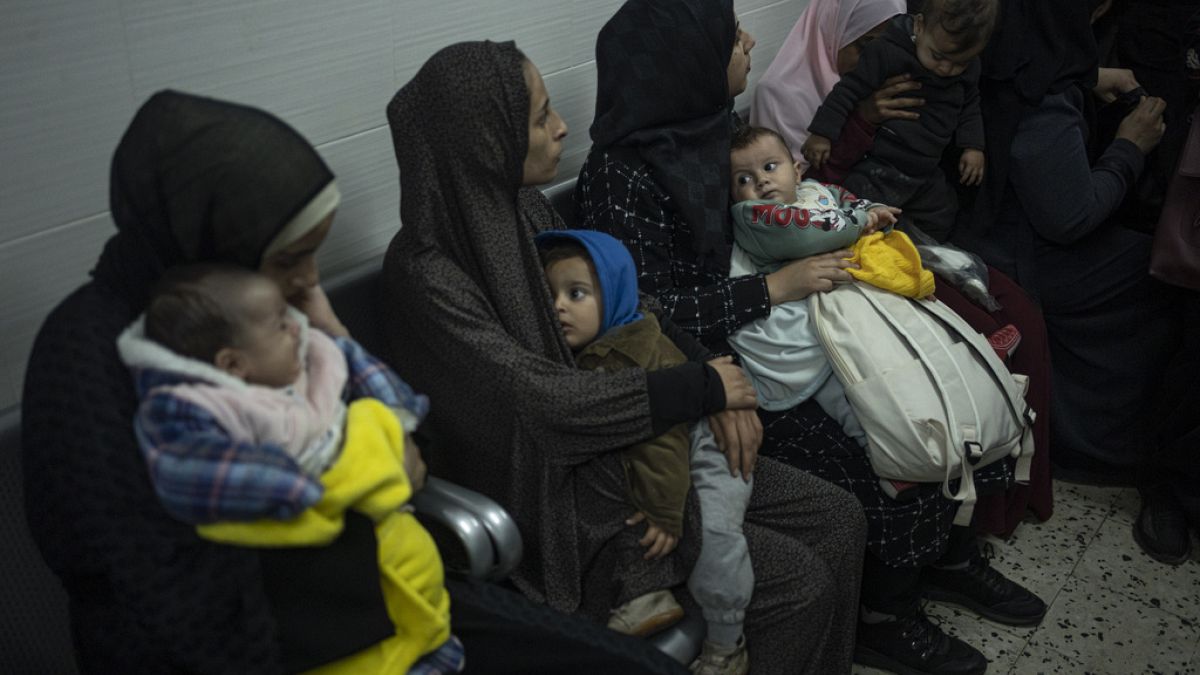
315 305
739 393
970 166
737 429
799 279
888 104
816 150
739 435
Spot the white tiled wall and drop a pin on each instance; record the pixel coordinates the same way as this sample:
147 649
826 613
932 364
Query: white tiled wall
72 73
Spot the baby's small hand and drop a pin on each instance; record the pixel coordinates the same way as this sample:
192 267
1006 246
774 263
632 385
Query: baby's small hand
656 539
880 217
971 166
816 150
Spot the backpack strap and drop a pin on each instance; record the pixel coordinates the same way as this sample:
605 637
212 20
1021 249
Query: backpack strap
971 450
964 435
1014 386
1014 394
872 296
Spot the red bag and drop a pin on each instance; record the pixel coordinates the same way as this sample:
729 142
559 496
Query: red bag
1175 257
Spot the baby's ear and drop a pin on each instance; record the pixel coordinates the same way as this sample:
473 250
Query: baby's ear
799 164
232 361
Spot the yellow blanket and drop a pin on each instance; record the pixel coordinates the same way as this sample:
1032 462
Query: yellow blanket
369 477
890 261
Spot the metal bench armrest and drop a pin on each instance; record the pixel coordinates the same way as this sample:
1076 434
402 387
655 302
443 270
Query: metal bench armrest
489 535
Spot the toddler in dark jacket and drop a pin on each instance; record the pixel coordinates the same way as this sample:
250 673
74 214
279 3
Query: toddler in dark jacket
940 48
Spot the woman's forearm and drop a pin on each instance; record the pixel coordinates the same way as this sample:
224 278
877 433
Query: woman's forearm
683 393
1065 198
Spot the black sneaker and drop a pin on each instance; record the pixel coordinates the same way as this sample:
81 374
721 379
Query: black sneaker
981 589
913 645
1161 528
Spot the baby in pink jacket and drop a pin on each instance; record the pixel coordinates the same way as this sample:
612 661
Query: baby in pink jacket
243 407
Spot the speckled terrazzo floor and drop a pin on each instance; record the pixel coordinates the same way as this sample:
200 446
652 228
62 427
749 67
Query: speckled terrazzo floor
1112 608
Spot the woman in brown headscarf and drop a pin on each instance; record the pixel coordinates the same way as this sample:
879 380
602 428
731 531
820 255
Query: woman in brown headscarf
471 324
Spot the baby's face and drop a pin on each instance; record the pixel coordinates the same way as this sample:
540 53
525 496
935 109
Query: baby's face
764 170
268 338
576 293
938 53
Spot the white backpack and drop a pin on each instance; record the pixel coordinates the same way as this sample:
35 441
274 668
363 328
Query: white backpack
934 399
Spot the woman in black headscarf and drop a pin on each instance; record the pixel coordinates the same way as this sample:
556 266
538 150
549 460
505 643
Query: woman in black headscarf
192 180
1043 219
658 179
472 323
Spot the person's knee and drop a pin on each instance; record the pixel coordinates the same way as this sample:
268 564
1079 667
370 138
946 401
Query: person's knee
847 518
822 591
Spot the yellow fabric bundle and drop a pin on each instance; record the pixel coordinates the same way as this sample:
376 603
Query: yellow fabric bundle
369 477
890 261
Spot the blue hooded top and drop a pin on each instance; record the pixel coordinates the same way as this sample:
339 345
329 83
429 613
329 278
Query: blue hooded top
614 269
657 469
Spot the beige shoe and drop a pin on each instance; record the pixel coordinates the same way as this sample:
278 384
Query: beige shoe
646 614
714 660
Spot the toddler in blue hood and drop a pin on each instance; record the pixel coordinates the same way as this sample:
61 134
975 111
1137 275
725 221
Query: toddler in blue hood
593 282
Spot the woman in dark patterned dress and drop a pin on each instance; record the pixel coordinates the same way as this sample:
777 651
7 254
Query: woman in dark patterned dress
658 179
471 322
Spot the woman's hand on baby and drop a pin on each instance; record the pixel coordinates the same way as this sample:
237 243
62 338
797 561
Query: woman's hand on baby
739 435
889 101
414 466
1144 126
739 393
801 278
816 150
656 539
970 166
1112 82
315 305
880 217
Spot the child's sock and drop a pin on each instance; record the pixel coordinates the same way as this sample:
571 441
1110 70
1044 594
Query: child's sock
724 634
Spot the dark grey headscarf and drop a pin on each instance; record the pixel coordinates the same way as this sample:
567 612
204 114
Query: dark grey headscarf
470 320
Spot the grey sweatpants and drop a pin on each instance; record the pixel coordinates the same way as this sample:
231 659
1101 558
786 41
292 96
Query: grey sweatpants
722 579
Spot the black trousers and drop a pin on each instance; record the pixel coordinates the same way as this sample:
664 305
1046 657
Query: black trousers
897 590
503 632
1172 463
